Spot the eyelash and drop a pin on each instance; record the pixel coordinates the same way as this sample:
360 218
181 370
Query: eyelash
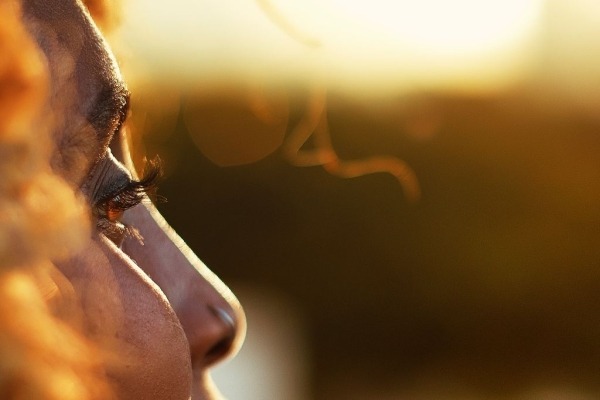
109 208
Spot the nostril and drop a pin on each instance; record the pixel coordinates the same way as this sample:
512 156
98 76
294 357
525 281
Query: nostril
219 350
223 346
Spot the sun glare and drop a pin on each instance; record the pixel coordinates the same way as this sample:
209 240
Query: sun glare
446 28
358 42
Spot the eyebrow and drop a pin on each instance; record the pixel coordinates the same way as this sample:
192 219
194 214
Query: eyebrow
109 111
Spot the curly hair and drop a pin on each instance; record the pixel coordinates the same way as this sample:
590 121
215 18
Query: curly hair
42 219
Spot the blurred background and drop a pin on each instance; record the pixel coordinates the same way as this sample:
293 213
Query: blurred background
485 287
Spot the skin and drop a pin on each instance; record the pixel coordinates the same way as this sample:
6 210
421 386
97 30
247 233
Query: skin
159 316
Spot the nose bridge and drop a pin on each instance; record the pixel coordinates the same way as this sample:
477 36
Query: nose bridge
211 316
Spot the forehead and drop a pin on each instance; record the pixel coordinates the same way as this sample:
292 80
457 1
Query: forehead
88 97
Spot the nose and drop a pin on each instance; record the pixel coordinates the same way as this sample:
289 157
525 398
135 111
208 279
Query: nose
210 315
213 321
211 331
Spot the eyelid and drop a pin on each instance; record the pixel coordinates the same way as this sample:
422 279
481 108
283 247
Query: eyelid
127 187
107 177
132 192
127 196
117 201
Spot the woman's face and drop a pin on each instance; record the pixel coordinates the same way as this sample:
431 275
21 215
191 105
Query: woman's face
159 316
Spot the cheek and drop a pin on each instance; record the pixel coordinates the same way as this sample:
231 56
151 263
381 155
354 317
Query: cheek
146 354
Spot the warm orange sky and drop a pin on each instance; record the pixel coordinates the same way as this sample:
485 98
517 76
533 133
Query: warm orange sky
401 44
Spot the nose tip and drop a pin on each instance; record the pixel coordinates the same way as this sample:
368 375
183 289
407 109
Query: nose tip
215 335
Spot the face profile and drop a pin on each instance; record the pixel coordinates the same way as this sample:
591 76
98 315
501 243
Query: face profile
159 317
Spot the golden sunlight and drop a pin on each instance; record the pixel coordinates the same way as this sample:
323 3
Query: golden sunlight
395 45
446 28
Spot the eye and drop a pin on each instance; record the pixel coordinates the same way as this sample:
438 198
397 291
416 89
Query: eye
110 208
113 212
109 214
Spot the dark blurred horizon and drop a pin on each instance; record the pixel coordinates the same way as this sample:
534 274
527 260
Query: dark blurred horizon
489 286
